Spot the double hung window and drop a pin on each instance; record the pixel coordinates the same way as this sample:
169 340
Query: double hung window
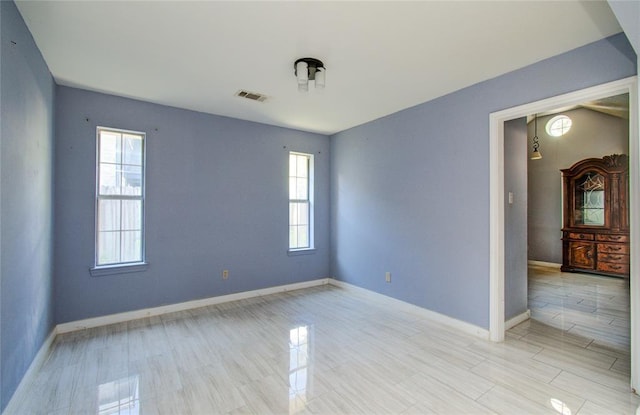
300 201
120 197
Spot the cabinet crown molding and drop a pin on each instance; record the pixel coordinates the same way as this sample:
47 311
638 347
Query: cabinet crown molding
616 160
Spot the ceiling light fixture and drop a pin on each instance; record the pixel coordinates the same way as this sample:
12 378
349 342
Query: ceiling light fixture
309 69
536 155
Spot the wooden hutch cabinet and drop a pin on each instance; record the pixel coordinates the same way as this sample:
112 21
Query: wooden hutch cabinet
595 233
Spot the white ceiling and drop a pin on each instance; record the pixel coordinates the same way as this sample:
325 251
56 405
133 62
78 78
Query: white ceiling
381 57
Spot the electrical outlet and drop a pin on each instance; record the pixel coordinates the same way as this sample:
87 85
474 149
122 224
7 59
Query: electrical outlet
225 274
387 276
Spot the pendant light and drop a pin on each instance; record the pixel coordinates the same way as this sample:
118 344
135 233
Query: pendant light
536 155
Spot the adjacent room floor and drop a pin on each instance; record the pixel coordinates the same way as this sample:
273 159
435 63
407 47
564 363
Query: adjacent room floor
593 307
330 350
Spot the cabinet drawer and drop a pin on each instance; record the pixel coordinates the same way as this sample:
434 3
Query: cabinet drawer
612 238
613 248
613 267
581 236
617 258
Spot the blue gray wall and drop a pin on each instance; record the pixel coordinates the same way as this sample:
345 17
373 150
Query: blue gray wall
410 191
26 110
216 198
515 217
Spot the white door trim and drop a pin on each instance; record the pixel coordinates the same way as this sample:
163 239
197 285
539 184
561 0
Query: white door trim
496 204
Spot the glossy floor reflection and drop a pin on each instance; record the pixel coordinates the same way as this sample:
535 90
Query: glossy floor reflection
119 397
323 350
593 307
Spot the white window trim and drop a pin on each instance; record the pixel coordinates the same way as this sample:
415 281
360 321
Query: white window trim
311 185
101 270
121 267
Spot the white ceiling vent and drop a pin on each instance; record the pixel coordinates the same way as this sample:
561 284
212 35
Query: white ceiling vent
251 95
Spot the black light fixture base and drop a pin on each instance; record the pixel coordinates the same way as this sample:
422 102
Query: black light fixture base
312 65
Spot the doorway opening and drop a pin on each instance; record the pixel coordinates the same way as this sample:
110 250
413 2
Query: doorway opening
497 199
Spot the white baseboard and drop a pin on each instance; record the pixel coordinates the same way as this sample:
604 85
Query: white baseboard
414 309
544 264
30 374
188 305
514 321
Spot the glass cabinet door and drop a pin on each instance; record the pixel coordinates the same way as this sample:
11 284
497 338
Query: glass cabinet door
589 199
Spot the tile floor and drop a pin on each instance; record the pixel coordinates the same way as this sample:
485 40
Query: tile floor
326 350
593 307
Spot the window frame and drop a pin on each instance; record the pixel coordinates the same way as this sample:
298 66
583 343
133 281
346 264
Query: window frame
309 200
126 266
550 128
